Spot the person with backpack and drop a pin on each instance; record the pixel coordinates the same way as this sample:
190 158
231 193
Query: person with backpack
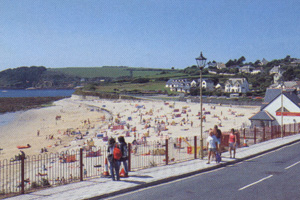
113 159
124 149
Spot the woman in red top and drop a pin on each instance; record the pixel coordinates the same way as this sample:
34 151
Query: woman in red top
232 142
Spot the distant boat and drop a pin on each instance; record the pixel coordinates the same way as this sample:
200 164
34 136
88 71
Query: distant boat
4 91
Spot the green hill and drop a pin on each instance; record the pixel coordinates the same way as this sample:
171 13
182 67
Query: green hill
111 71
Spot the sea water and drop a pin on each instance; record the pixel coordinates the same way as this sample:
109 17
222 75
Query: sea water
35 93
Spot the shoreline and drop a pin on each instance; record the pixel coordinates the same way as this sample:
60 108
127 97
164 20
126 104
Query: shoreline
15 104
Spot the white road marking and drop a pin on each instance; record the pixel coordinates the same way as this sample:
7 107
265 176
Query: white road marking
292 165
178 180
272 151
255 182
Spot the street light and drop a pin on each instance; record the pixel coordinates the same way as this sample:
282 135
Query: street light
282 109
201 60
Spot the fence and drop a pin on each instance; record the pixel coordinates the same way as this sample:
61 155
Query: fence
26 174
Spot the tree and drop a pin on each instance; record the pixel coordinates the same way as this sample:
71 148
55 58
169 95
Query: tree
257 62
241 60
195 91
230 63
287 58
289 74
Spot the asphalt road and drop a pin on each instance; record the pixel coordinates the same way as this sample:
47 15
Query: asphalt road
275 175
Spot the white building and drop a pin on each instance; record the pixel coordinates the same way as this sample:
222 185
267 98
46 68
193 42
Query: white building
270 112
246 69
183 85
207 84
237 85
275 70
220 65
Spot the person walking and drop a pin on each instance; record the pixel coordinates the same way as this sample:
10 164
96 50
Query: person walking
218 134
124 149
232 143
211 145
113 163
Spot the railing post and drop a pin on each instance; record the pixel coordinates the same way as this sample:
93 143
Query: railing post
81 163
295 128
254 134
264 133
22 174
129 157
167 152
271 132
195 149
283 130
244 132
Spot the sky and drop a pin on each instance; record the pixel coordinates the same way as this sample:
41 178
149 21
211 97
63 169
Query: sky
145 33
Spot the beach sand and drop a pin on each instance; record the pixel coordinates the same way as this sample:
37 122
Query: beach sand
175 118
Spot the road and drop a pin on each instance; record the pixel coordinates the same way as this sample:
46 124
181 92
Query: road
275 175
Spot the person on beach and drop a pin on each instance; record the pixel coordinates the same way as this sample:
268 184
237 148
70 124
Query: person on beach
113 164
218 134
124 149
232 143
211 145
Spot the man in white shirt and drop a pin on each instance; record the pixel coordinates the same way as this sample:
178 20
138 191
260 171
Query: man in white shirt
211 145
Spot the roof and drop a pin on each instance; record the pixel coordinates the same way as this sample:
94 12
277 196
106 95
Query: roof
233 81
272 94
275 70
262 116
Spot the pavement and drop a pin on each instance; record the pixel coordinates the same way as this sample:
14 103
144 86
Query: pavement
98 188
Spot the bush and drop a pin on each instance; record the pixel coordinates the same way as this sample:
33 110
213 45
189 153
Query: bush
141 80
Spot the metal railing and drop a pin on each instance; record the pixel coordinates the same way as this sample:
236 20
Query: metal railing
30 173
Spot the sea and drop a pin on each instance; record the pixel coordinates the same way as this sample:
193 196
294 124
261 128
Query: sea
35 93
9 117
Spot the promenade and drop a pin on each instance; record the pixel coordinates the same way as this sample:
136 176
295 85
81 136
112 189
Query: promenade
98 188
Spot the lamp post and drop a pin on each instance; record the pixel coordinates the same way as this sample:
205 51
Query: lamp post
282 110
201 60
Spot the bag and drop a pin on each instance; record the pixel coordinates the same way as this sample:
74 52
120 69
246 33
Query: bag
117 153
110 158
218 158
125 151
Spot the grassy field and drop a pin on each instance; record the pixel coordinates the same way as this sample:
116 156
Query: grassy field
112 72
129 87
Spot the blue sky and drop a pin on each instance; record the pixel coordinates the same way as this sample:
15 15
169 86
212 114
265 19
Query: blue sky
145 33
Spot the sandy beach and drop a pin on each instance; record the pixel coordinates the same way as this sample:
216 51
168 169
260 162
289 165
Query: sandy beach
51 127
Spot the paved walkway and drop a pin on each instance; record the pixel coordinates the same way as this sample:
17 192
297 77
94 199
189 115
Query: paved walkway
103 187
